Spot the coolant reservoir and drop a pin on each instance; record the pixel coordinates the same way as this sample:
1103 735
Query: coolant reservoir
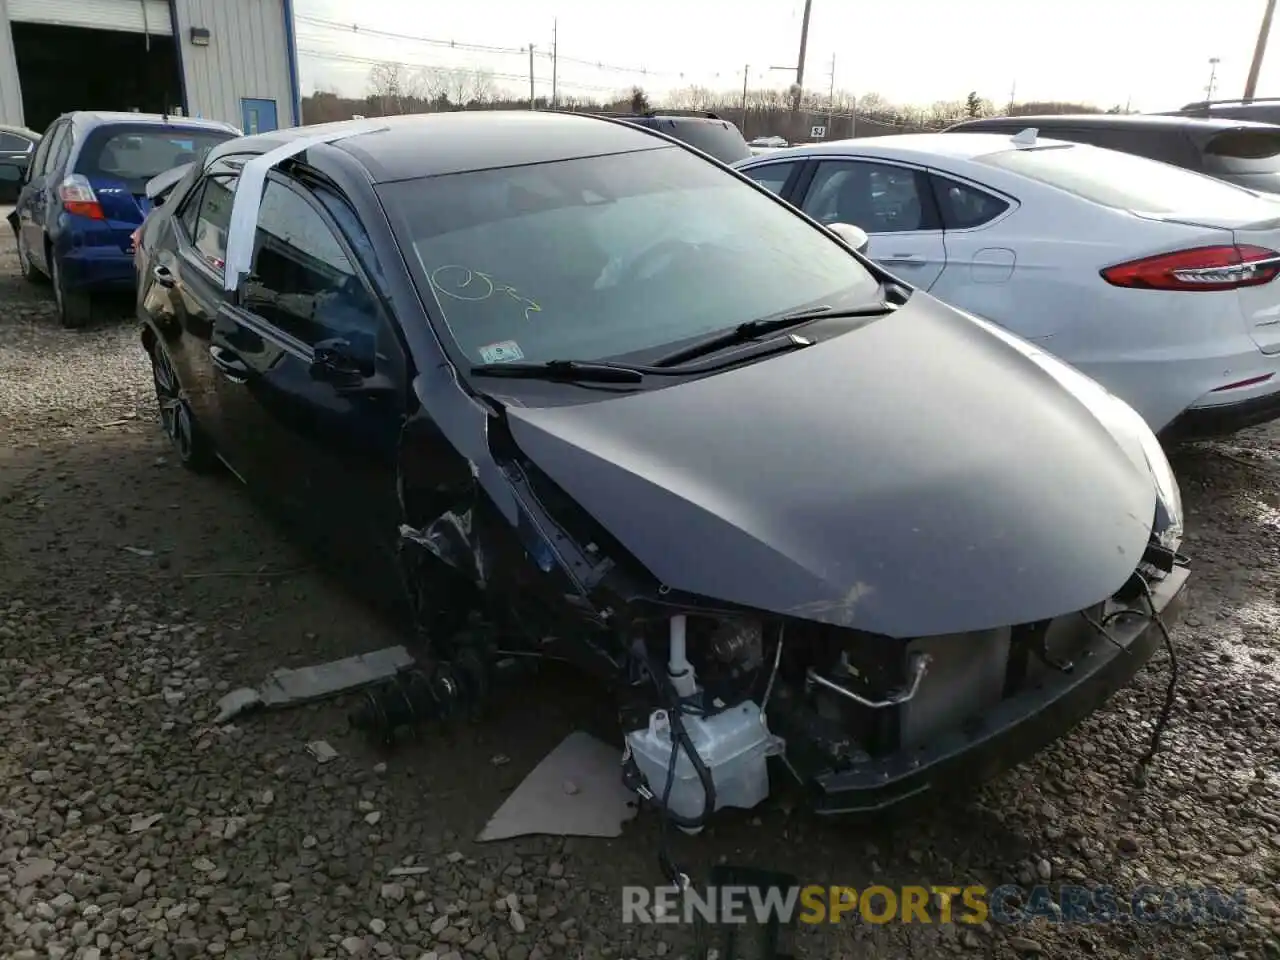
734 744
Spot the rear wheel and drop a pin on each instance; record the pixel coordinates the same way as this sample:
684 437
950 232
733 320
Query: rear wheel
74 309
176 418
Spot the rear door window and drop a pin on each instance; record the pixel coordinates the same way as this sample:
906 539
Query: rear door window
772 176
61 150
12 143
964 206
213 220
1124 181
58 143
133 155
878 197
41 159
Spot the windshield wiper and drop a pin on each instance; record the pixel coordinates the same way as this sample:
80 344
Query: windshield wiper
582 371
757 328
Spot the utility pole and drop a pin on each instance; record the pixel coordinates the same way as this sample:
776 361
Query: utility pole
1251 85
831 94
532 99
1213 77
745 71
804 46
1013 93
555 98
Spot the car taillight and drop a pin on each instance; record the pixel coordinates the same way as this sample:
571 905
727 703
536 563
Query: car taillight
1223 267
78 198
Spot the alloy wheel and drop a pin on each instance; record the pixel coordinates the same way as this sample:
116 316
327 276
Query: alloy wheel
175 415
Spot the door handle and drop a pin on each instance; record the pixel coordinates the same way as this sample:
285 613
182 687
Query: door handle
903 258
231 366
164 277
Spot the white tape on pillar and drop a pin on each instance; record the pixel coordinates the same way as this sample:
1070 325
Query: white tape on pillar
248 197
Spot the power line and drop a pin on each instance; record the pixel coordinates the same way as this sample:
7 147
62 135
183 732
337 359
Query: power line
358 30
514 77
387 34
545 82
370 61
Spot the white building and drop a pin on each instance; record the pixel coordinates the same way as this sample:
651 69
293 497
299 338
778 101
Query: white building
230 60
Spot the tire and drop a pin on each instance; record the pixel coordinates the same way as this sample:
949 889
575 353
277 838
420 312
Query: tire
74 309
177 419
29 272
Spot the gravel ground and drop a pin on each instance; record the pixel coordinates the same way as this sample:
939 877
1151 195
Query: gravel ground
130 826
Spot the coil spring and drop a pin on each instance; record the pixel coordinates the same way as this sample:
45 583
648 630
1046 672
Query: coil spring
418 696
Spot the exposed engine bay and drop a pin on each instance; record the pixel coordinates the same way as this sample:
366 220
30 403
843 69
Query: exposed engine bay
708 693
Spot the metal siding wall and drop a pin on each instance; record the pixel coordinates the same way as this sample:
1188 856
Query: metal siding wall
127 15
10 90
247 56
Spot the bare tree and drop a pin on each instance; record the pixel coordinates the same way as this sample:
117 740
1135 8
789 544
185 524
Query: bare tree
388 84
944 112
481 88
434 84
873 104
395 88
457 86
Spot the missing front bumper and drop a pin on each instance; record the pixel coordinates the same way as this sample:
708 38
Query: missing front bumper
1016 728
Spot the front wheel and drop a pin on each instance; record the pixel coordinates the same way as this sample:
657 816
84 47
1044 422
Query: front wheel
74 309
176 418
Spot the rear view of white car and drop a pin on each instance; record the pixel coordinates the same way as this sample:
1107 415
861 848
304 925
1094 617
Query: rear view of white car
1155 281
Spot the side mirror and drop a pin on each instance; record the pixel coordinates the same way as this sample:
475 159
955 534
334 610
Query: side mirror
335 362
855 237
10 173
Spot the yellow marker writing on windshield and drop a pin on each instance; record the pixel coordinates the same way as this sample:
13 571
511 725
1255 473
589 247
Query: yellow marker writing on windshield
463 283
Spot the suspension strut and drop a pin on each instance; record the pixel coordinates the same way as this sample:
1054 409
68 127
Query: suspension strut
436 692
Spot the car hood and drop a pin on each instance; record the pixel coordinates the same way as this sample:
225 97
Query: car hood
920 475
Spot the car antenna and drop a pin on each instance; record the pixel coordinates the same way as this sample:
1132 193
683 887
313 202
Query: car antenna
1026 138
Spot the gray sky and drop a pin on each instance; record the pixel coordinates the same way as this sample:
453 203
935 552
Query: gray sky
909 51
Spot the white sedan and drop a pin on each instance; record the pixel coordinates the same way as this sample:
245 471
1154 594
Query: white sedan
1155 281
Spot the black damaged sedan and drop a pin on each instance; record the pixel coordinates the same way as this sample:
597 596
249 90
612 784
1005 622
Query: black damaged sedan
586 394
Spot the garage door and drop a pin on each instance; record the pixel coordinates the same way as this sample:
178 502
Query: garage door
133 16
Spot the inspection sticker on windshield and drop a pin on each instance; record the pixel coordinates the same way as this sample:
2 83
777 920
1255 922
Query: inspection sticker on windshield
503 352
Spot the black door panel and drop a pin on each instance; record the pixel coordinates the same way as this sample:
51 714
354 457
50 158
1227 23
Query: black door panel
320 440
321 449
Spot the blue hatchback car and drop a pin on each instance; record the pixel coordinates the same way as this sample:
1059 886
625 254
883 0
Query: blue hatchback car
84 195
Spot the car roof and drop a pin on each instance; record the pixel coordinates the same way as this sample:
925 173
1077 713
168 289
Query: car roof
1123 121
673 117
913 146
412 146
89 119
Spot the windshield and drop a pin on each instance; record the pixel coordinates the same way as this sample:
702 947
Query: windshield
136 154
1124 181
604 256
